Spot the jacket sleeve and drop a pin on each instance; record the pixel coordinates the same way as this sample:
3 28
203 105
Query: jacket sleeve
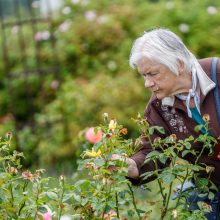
154 118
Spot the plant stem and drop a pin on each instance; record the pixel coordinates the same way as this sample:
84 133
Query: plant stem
12 196
23 204
134 203
164 211
35 215
200 154
117 209
181 188
60 201
160 186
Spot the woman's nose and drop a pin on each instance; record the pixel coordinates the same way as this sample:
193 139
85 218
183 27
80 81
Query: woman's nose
148 83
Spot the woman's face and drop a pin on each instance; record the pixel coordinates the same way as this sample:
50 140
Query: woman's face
158 78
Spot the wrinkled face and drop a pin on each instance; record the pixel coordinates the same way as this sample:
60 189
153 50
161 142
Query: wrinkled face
158 78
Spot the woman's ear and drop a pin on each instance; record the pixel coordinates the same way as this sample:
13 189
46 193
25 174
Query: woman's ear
181 66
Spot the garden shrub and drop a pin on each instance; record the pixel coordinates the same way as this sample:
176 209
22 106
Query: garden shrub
63 118
105 192
92 38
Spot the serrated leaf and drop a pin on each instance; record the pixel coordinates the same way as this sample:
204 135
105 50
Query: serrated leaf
153 154
52 195
167 177
211 195
188 145
77 197
159 129
67 197
201 182
99 161
185 152
162 159
151 130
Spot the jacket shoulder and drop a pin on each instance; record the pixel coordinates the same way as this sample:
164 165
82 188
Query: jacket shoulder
206 64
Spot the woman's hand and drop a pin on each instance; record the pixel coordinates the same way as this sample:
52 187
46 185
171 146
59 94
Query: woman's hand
132 166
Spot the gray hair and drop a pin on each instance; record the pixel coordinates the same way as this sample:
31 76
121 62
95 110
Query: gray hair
164 47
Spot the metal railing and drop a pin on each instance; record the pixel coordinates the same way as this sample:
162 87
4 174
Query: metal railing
17 24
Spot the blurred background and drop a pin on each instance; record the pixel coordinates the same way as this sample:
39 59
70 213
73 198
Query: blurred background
64 63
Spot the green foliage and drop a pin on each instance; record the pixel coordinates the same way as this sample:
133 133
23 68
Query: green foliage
170 151
79 104
93 42
105 192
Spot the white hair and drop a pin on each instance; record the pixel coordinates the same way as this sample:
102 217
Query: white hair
164 47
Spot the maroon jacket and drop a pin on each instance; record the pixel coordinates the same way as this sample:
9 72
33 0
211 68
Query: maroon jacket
174 120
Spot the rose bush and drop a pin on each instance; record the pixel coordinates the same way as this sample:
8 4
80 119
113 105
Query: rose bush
105 192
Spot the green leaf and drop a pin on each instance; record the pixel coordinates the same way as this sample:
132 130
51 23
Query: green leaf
167 177
83 184
201 182
151 130
185 152
162 159
153 154
52 195
99 161
77 197
97 145
148 174
211 195
67 197
131 212
187 145
84 201
160 129
199 128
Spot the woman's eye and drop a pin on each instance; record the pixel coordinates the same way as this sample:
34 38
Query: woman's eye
154 74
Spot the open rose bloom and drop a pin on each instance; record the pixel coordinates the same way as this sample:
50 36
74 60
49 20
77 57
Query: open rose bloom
93 137
45 216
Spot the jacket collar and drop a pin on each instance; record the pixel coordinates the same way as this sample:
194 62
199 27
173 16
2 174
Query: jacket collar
205 83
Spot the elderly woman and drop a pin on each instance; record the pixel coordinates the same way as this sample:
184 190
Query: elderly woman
182 92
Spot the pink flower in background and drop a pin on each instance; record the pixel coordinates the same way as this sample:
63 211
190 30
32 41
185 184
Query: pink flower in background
212 10
40 36
93 137
66 10
65 26
15 29
47 216
55 84
75 1
110 215
90 15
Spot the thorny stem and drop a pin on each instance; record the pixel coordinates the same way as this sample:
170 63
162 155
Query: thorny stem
168 199
159 183
160 186
184 180
133 200
36 200
23 204
60 201
12 196
117 209
200 154
27 216
107 197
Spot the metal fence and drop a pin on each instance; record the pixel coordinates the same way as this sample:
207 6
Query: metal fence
28 54
28 16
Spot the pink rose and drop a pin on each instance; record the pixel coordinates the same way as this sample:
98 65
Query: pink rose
110 215
93 137
47 216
